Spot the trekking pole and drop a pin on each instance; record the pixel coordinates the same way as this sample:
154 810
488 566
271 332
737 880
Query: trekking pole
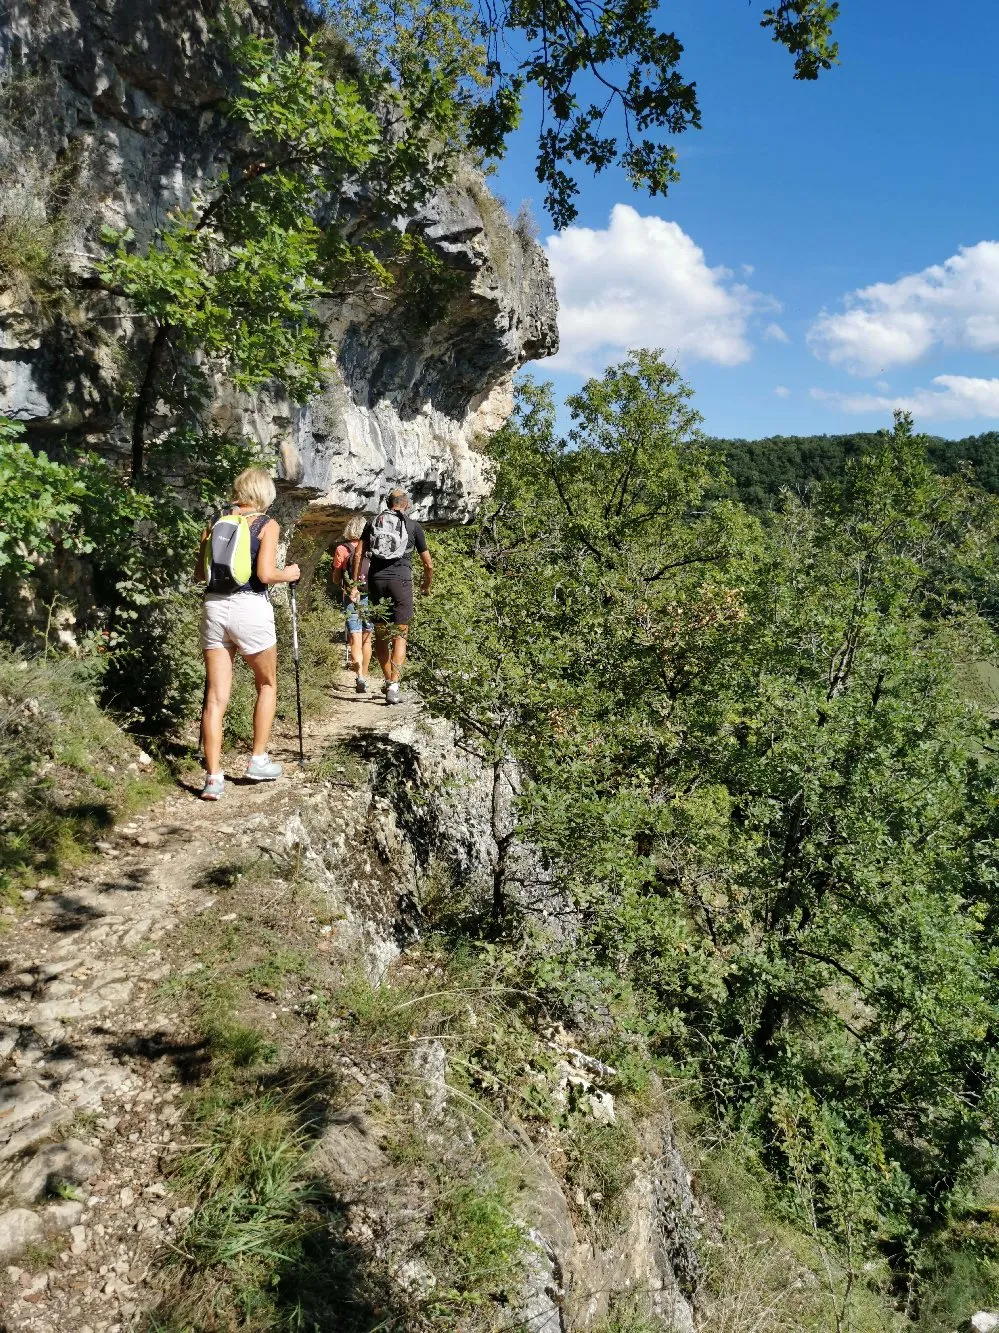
298 682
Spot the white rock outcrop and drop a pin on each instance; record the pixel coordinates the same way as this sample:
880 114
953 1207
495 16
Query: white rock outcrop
124 99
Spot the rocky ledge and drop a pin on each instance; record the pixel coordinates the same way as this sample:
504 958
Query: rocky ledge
122 99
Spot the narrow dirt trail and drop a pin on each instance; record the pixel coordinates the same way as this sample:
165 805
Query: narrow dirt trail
84 1015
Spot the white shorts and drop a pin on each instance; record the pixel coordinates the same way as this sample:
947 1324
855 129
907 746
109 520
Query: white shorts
240 620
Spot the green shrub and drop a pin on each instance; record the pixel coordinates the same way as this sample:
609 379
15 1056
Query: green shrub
600 1163
473 1246
64 767
39 500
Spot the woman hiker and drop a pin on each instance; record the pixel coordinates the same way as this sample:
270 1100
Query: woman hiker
238 618
359 626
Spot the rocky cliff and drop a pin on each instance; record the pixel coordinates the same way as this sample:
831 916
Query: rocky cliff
433 826
307 918
114 116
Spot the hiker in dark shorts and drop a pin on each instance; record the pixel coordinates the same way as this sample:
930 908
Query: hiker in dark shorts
388 542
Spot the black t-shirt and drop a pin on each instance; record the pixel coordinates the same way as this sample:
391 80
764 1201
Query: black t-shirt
403 565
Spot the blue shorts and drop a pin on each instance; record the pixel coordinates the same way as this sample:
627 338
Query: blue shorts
352 610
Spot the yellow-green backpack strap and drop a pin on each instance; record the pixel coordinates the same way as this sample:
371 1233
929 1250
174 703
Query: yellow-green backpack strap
242 561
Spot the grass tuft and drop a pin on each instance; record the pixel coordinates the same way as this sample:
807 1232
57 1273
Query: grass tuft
239 1044
600 1165
64 768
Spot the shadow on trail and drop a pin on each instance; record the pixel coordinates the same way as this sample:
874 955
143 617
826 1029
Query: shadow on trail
68 914
190 1060
24 1037
130 882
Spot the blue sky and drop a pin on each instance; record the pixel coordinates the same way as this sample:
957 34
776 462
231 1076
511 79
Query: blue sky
832 248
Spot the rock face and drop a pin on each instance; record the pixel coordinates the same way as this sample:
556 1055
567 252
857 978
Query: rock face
409 406
114 111
431 818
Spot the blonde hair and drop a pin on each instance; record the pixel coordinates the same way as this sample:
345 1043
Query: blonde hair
354 530
254 487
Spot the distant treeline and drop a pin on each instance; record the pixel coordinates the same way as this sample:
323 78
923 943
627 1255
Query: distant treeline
761 469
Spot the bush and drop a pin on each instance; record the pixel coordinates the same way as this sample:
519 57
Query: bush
65 772
39 499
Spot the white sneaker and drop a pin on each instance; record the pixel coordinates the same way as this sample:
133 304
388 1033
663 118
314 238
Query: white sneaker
392 693
213 788
262 768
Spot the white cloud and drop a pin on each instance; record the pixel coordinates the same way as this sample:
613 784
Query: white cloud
954 304
782 391
747 270
955 398
643 282
776 334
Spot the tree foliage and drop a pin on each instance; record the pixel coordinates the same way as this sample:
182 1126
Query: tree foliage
235 278
607 77
761 470
750 762
39 499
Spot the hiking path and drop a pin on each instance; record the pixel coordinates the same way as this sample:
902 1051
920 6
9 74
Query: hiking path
90 1112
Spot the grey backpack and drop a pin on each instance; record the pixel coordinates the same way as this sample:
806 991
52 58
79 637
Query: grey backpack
389 536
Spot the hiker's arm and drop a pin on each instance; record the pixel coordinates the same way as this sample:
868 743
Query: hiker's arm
267 570
200 573
355 564
428 571
355 568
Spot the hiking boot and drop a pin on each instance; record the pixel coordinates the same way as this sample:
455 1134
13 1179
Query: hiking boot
361 687
213 788
262 768
385 687
392 693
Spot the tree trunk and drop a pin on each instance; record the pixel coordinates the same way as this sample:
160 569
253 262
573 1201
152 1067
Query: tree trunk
503 843
146 400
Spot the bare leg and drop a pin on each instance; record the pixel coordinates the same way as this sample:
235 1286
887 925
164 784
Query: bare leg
383 649
264 668
399 651
365 652
218 686
354 638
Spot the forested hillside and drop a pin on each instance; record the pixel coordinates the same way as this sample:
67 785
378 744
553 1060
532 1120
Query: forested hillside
761 469
767 801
